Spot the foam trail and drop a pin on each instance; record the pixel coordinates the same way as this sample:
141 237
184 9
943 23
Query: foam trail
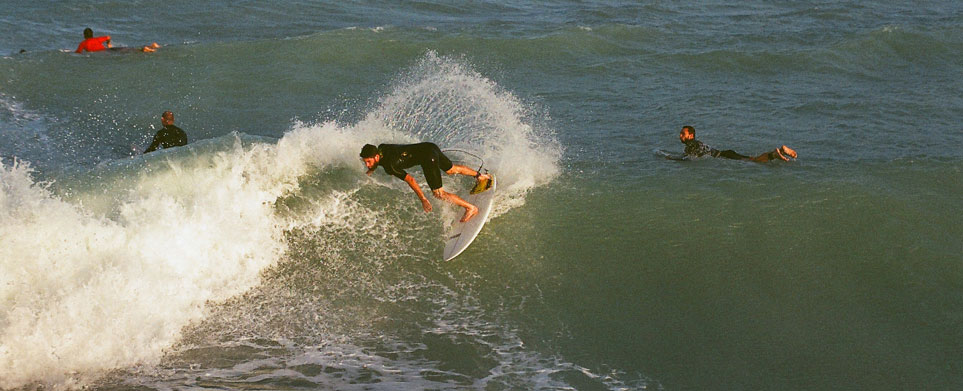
107 279
106 272
81 292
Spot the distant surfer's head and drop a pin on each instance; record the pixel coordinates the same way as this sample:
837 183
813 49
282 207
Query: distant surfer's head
167 118
88 33
687 133
370 156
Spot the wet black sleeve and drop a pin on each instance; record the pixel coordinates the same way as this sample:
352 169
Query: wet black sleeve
180 137
156 143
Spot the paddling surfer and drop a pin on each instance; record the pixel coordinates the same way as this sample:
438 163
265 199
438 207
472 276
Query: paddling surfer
97 44
395 158
696 149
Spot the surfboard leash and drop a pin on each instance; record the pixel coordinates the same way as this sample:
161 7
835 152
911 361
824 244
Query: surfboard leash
479 170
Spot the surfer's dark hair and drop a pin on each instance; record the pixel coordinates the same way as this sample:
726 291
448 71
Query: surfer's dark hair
88 33
689 129
368 151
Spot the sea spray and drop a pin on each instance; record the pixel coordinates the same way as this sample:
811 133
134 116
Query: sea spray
107 270
23 133
444 101
82 292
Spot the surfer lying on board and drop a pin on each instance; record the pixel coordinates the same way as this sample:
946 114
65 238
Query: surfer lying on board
695 149
395 158
96 44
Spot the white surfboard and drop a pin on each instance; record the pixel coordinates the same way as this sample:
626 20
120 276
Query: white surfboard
462 234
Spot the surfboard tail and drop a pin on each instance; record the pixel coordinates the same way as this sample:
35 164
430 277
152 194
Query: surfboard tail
463 234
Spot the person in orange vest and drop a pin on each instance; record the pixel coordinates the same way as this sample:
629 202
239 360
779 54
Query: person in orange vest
97 44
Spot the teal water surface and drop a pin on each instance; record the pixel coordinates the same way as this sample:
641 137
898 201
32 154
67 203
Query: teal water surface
261 256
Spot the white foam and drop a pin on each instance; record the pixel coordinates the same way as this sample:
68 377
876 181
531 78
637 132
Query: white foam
81 292
108 277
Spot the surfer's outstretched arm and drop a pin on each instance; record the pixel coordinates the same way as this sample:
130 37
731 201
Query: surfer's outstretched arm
417 189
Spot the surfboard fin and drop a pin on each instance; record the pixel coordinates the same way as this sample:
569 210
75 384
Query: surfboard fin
482 185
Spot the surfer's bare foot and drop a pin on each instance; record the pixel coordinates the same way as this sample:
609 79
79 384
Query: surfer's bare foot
484 177
469 213
787 151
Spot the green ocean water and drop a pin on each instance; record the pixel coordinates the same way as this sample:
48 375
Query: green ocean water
261 256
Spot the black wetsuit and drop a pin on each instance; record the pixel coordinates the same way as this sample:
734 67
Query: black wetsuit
395 158
169 136
695 149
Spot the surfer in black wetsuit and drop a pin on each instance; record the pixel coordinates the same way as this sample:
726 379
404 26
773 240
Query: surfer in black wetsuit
395 158
696 149
169 135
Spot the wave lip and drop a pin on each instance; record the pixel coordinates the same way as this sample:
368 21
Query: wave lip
105 272
82 292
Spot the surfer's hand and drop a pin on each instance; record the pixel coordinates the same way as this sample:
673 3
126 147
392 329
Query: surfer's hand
368 173
425 204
